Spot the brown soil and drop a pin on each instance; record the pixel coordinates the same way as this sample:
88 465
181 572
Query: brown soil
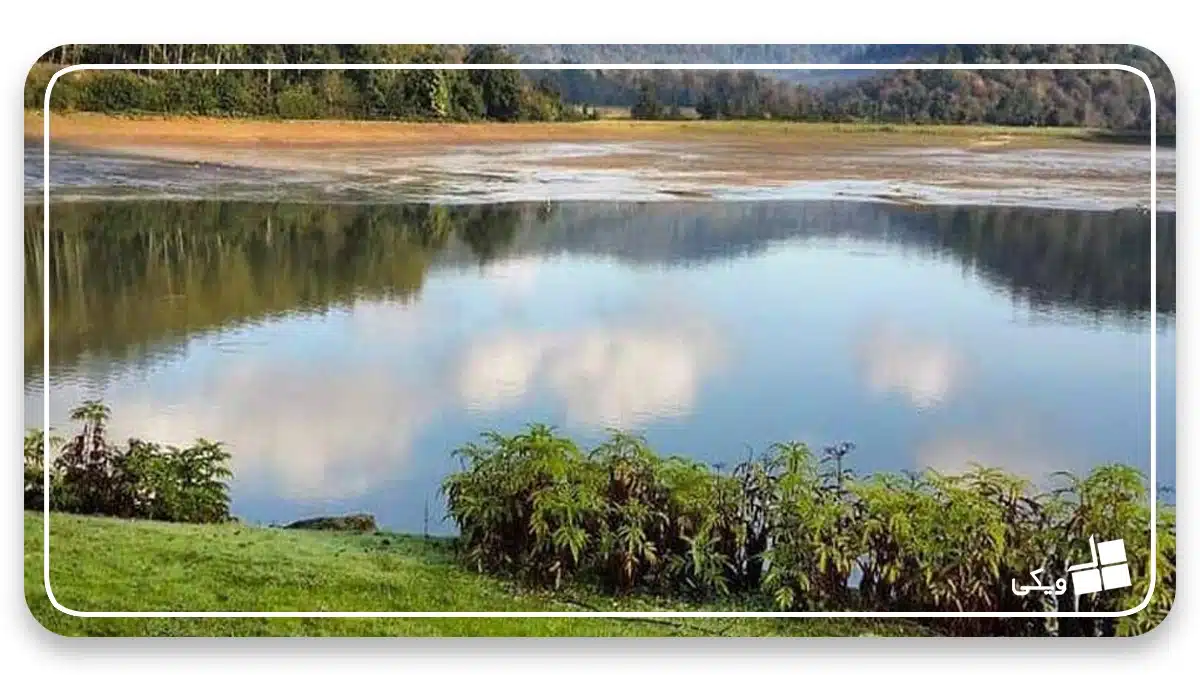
104 131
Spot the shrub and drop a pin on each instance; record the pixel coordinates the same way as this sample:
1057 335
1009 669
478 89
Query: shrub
667 523
35 453
89 475
177 484
299 102
798 533
811 554
119 90
525 504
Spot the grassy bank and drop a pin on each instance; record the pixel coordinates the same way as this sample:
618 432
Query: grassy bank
97 130
121 565
557 527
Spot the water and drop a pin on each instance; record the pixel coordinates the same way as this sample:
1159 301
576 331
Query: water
343 351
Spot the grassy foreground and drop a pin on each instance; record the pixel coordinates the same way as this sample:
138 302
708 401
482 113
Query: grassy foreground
119 565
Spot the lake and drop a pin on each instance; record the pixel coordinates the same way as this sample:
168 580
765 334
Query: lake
343 351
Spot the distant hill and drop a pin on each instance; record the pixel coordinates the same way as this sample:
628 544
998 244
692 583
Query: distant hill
1093 98
720 53
625 53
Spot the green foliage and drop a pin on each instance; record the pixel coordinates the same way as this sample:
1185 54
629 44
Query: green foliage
500 89
1107 99
35 454
526 504
90 475
1112 503
540 103
100 564
502 95
119 90
178 484
794 530
466 100
298 102
1074 98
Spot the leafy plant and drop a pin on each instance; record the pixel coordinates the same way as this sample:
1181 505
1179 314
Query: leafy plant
526 504
800 533
35 458
90 475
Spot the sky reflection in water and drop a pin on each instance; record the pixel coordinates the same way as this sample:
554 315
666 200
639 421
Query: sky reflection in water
929 337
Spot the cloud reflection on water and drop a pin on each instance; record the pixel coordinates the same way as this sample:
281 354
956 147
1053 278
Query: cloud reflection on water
324 430
619 377
925 371
1010 443
334 424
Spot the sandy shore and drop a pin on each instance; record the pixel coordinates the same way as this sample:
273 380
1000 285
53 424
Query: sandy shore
624 159
104 131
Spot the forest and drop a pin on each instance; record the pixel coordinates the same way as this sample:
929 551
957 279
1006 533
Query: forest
1107 99
447 95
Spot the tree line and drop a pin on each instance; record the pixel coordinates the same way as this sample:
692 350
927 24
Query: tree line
450 95
1109 99
1104 99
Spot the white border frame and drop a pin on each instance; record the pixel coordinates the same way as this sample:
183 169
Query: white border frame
621 66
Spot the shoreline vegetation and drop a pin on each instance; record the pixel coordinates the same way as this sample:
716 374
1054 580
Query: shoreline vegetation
548 526
1107 105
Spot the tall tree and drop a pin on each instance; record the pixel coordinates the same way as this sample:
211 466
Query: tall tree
501 89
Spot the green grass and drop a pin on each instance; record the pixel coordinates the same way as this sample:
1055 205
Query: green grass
118 565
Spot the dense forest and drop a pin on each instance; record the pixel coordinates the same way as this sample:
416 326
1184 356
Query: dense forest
1102 98
456 95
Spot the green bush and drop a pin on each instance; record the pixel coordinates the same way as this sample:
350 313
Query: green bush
35 452
466 100
796 532
665 523
89 475
35 86
525 505
299 102
236 94
114 90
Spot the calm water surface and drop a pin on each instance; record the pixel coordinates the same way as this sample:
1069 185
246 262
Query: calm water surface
342 352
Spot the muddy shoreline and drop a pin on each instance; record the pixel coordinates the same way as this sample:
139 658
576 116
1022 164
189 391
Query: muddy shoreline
608 160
